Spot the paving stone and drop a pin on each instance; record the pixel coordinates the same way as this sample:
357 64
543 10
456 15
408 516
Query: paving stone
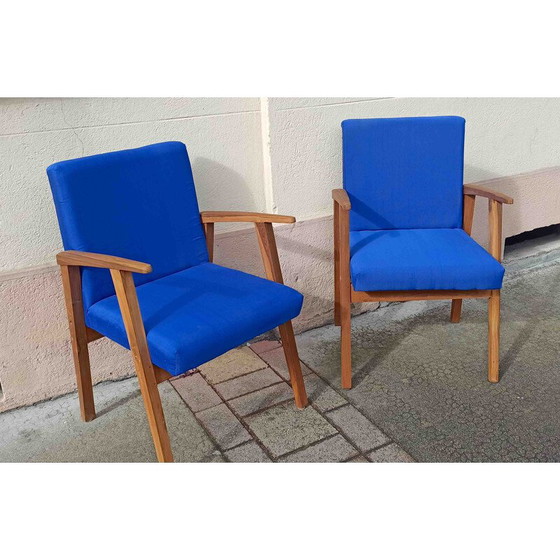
247 453
232 364
217 457
52 431
253 402
390 454
248 383
358 459
333 450
196 392
224 427
277 361
321 395
264 346
285 428
357 428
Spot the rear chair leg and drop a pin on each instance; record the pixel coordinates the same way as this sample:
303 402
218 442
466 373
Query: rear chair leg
294 366
72 284
456 306
346 344
494 337
336 267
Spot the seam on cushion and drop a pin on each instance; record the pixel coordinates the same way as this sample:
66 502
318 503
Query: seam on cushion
151 281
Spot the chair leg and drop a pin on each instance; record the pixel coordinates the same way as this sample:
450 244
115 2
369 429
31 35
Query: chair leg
456 306
294 366
494 337
72 284
336 267
154 411
346 344
132 318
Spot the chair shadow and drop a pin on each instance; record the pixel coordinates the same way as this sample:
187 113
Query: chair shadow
117 404
523 337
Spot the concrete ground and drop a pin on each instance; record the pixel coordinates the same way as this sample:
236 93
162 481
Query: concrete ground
420 393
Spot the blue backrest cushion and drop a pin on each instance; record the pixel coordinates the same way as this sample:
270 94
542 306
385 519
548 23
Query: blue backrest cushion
139 204
404 173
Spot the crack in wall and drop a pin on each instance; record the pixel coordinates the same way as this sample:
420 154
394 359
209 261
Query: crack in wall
70 126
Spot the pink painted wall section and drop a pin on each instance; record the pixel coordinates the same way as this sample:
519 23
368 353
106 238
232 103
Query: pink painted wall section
536 202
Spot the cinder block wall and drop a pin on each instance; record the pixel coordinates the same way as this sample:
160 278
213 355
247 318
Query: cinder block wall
269 154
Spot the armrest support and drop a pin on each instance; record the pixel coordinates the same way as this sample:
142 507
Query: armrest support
211 217
340 196
97 260
495 202
477 190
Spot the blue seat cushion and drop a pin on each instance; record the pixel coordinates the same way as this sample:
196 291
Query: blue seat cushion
197 314
421 259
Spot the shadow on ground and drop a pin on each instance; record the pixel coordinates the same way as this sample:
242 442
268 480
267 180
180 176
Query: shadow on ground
422 380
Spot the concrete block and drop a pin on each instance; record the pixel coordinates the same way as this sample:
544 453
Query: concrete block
285 428
223 426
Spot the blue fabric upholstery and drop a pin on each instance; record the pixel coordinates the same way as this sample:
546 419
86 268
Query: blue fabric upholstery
421 259
404 173
194 315
139 204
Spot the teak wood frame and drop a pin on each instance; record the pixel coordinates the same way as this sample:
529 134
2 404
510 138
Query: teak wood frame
345 295
149 375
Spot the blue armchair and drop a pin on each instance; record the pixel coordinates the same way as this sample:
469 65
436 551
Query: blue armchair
137 268
402 224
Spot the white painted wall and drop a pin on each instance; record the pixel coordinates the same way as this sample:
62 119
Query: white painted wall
222 137
503 137
270 154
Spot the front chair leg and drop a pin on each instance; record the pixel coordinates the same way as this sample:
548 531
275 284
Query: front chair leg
294 366
72 283
494 337
132 318
456 306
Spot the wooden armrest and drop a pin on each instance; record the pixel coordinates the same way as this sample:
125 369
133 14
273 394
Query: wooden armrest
96 260
340 196
211 217
487 193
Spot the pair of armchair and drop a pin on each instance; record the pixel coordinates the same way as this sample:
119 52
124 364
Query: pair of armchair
401 232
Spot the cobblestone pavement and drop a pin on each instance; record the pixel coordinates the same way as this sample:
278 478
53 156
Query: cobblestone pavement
245 403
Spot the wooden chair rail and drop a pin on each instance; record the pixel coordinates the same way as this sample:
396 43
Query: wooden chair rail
418 295
340 196
478 190
97 260
211 217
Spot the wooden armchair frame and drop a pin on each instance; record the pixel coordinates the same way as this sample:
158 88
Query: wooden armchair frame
149 375
345 295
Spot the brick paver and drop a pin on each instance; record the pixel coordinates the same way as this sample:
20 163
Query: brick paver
332 450
232 364
284 428
357 428
196 392
390 454
243 401
223 426
249 452
247 383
